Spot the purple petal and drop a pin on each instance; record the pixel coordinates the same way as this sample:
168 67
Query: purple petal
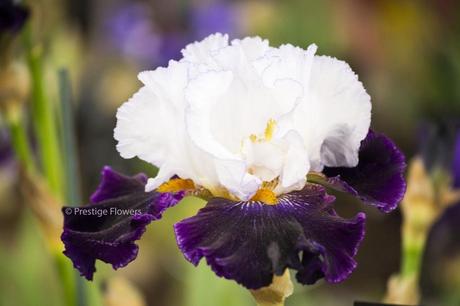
107 229
249 242
114 185
442 246
443 238
378 179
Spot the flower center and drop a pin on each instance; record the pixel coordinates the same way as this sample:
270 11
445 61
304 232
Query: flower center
176 185
268 133
266 196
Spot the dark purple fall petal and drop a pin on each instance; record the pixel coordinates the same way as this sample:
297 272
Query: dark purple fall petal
378 179
114 185
249 242
12 16
107 228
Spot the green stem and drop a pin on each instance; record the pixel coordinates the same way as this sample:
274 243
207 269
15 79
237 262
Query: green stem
86 293
72 193
43 115
411 261
69 147
67 278
20 141
412 252
44 120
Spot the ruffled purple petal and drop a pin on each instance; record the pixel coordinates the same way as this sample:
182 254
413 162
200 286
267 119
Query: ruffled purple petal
249 242
107 229
114 185
378 179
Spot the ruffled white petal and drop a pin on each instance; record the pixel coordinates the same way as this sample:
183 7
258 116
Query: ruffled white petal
151 126
343 103
200 52
136 132
203 96
252 47
164 174
291 63
296 163
168 83
233 175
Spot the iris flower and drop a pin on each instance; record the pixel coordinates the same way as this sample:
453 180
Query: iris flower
259 132
12 16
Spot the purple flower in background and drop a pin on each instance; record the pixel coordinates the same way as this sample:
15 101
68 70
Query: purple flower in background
440 148
132 32
259 132
6 151
456 162
12 16
443 240
211 17
443 143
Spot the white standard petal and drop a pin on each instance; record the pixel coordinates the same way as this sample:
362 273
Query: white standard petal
334 115
201 52
285 158
151 126
252 47
202 95
168 83
296 165
346 109
165 172
290 63
137 134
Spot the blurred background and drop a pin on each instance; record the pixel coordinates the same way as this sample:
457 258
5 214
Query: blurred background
407 54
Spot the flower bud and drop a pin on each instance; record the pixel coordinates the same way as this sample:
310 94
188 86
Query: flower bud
14 88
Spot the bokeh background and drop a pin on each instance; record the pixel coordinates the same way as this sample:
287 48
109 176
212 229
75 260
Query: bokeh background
407 53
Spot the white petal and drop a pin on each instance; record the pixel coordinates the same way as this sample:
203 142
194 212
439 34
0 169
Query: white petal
265 159
200 52
296 164
139 135
167 82
233 175
164 174
291 63
202 94
346 109
151 126
333 117
253 47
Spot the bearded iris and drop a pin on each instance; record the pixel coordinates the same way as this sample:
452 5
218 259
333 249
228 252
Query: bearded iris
259 132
